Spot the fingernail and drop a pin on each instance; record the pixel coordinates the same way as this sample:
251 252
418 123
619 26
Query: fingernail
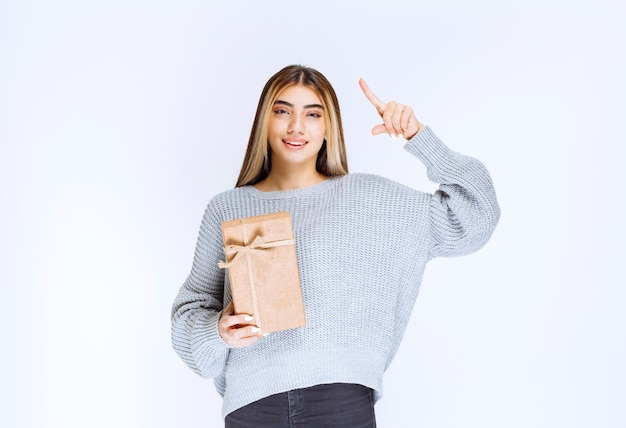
254 329
393 136
248 318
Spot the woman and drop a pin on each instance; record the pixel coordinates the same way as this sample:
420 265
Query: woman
362 243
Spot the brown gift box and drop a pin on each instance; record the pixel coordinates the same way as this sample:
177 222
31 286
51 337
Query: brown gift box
263 270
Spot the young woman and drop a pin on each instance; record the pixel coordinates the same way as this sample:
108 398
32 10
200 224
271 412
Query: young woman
362 243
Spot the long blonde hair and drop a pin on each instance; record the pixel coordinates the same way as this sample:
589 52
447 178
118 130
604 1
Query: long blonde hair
331 159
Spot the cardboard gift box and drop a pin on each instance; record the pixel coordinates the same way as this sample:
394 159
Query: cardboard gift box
263 270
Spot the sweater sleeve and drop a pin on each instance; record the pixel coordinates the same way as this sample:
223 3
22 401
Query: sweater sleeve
198 306
464 210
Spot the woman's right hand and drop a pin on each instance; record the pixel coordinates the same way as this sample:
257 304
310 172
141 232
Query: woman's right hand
236 330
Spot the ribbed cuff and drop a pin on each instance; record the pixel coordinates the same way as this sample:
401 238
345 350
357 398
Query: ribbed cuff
428 148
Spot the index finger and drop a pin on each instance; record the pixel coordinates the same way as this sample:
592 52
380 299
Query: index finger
380 106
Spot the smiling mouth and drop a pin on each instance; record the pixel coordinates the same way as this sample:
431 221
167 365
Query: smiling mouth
295 142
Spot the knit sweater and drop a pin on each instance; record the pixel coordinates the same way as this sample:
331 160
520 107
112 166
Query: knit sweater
362 243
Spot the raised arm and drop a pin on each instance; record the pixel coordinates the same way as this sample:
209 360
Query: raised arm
464 211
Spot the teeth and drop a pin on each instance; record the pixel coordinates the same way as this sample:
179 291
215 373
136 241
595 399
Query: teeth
296 143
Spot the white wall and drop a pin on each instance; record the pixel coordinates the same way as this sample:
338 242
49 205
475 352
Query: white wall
120 119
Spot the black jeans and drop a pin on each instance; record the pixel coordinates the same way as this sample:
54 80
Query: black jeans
336 405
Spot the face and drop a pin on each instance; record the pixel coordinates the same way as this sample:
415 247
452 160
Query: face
296 128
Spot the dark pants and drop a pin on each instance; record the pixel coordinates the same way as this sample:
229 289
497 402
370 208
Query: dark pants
323 406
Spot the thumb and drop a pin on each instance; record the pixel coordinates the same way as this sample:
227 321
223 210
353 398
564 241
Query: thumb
379 129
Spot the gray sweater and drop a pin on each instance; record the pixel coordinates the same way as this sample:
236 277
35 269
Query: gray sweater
362 243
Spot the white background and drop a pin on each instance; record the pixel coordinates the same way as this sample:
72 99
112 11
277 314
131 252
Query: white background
120 119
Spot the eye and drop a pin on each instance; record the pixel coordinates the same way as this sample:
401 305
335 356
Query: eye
280 110
315 114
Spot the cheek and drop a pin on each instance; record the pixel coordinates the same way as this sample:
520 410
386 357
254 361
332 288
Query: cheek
273 128
321 130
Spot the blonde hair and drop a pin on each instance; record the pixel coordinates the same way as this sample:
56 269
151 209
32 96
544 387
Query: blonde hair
331 159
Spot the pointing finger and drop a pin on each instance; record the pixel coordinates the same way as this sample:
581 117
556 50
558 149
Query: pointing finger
380 106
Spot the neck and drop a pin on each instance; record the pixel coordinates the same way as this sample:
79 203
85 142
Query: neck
280 179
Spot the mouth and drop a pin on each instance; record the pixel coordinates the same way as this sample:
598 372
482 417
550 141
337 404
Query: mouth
295 142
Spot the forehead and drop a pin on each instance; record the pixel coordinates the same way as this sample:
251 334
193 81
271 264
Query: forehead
299 95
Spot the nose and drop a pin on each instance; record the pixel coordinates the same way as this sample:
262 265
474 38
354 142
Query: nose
296 124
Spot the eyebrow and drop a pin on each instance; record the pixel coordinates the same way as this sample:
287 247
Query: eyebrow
288 104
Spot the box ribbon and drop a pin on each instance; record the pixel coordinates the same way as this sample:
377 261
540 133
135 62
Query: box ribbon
246 251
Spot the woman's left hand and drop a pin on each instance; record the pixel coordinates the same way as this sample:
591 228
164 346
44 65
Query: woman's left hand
398 119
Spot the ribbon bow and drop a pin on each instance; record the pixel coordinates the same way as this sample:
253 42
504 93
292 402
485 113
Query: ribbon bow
256 248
